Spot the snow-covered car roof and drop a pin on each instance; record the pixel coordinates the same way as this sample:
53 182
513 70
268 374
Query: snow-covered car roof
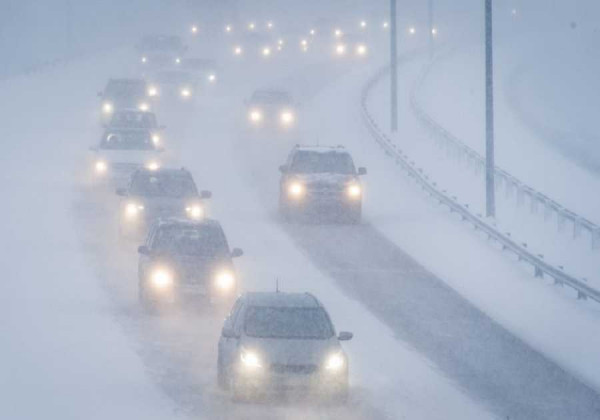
321 149
282 300
186 223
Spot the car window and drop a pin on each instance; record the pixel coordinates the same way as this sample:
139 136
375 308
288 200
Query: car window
322 162
288 323
204 241
127 140
172 185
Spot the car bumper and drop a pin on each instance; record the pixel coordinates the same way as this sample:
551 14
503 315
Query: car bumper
318 384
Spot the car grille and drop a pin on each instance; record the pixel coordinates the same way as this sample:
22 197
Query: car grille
125 166
293 369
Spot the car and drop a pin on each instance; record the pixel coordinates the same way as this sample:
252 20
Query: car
122 151
256 45
271 108
133 119
322 181
153 194
351 45
122 94
275 342
187 259
204 69
175 83
158 50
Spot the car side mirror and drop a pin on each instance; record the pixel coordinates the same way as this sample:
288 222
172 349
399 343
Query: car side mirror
100 94
236 252
283 169
143 250
122 192
345 336
362 171
228 332
205 194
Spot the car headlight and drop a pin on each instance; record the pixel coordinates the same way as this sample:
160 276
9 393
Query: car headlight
250 359
107 107
100 167
177 60
361 50
144 60
340 49
287 117
156 139
161 278
186 92
143 106
212 78
152 91
225 280
266 51
296 189
194 211
335 362
255 116
354 191
152 165
237 50
132 210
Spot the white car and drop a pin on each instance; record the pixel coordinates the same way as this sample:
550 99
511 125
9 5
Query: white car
274 343
123 151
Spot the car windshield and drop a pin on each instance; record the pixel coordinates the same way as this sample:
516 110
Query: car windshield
271 97
127 140
319 162
126 89
174 185
174 77
282 322
162 43
205 241
133 119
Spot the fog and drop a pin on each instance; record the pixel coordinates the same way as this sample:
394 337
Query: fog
207 214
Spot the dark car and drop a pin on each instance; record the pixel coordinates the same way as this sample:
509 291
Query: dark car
271 108
186 259
152 194
124 93
321 181
281 342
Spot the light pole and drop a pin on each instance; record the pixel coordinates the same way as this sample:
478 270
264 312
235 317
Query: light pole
490 202
393 66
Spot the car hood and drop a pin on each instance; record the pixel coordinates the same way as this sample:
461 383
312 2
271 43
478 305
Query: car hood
292 351
325 180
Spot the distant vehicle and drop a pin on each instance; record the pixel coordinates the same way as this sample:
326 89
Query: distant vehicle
271 108
124 94
177 83
256 45
122 151
204 69
278 342
317 181
186 259
152 194
351 45
160 50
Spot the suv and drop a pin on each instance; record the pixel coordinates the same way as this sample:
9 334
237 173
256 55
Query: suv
122 151
186 258
276 341
153 194
320 179
160 50
124 93
271 108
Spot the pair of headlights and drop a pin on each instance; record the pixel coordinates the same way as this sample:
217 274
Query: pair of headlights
251 360
101 167
297 190
162 278
133 210
108 108
360 50
286 117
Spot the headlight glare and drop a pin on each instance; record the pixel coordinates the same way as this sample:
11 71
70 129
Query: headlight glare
287 117
107 108
133 209
296 189
225 280
152 166
354 191
100 167
256 116
143 106
152 91
250 359
194 211
335 362
186 92
161 278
